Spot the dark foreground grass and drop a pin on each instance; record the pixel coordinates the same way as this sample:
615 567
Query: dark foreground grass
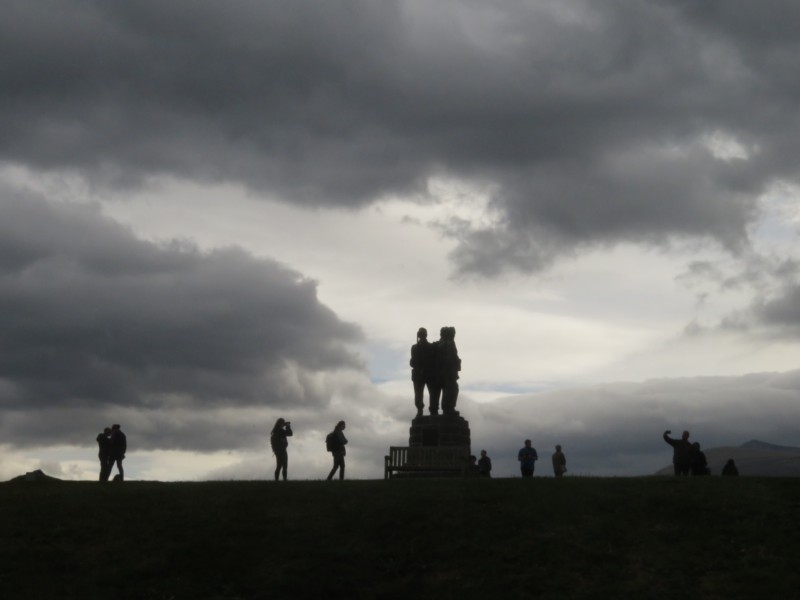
574 538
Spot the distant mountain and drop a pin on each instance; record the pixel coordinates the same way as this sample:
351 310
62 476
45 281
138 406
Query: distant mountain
755 458
37 475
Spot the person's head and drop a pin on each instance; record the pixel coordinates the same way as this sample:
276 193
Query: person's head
107 430
340 425
422 334
685 435
115 427
527 443
483 453
558 447
696 446
279 424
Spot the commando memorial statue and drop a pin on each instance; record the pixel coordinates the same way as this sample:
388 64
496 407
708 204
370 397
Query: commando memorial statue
439 442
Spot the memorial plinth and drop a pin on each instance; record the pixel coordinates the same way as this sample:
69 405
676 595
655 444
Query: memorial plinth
440 430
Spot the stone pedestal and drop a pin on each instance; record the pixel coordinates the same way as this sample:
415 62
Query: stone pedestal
439 430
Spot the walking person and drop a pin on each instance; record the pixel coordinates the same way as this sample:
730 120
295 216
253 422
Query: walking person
527 457
118 447
280 445
104 453
559 462
336 443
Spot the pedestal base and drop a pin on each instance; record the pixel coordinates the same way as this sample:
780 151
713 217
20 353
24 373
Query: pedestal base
439 430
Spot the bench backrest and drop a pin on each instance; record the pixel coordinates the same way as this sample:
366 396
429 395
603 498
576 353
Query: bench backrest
429 456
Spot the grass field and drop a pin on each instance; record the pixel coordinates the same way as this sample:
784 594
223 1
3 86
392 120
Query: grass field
506 538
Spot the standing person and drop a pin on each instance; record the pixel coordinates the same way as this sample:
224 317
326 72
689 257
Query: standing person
104 453
699 464
118 447
336 443
681 452
559 462
484 465
420 363
527 458
279 443
730 470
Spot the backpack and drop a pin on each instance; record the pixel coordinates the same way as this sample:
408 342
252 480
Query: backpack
332 442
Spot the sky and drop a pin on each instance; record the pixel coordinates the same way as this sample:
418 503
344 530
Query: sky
215 215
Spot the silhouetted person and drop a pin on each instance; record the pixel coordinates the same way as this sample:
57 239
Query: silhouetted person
104 453
559 462
421 365
472 466
484 465
118 446
527 458
279 443
336 445
699 464
730 470
449 365
681 452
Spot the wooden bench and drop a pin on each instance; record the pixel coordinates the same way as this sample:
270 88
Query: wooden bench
431 460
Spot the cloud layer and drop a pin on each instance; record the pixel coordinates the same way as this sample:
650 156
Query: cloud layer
592 122
96 317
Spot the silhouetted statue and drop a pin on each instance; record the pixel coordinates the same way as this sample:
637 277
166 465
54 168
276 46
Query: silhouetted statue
681 452
421 367
527 457
119 446
484 465
435 380
336 442
449 364
104 453
559 462
280 445
730 469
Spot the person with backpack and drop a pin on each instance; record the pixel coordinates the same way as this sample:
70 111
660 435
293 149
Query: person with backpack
280 445
335 443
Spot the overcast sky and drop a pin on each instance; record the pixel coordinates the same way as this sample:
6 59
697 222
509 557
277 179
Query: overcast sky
216 214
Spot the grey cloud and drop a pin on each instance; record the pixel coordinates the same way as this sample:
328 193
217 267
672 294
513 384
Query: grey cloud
588 118
782 312
96 317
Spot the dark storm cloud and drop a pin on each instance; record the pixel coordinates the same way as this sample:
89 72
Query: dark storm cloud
93 316
589 119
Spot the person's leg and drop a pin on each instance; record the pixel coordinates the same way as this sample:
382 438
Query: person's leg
341 468
333 470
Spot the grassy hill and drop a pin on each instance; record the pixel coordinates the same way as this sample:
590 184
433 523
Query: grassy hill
652 537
